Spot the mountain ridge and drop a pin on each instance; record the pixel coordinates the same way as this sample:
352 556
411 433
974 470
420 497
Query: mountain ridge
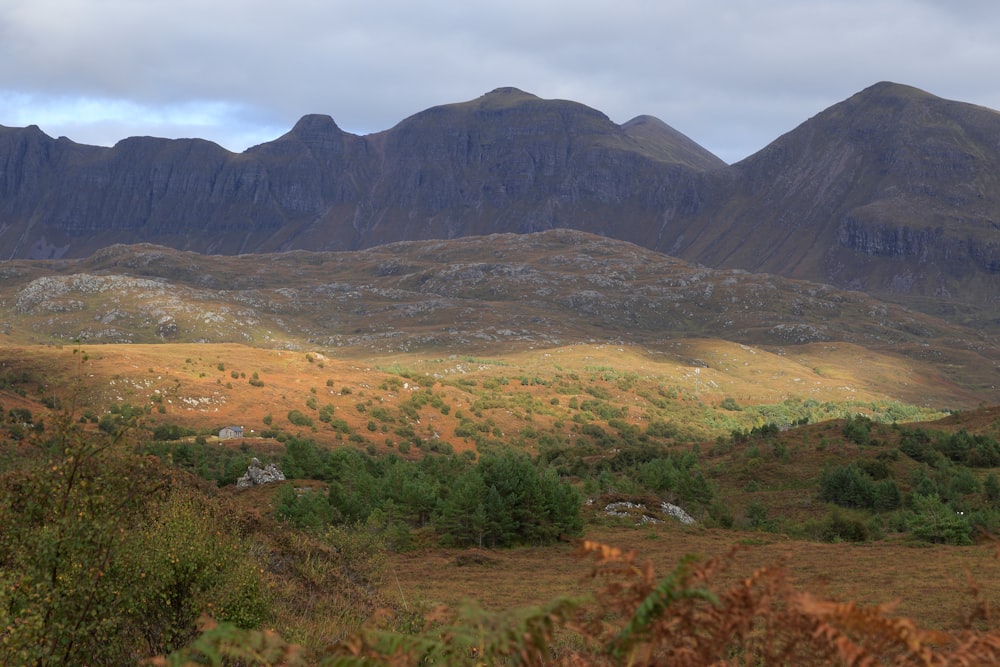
893 191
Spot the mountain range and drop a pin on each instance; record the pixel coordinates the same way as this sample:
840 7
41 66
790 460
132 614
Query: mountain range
893 191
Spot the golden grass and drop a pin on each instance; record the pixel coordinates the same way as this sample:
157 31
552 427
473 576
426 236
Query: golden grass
930 583
198 389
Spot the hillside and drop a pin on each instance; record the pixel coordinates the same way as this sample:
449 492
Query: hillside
622 425
482 296
893 191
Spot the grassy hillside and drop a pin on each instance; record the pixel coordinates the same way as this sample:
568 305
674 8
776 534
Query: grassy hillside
746 440
704 388
482 297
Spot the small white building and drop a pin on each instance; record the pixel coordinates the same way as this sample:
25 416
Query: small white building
230 432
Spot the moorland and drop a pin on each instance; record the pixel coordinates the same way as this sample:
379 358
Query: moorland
463 426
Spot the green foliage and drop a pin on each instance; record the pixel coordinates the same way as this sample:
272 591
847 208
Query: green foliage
598 392
763 432
503 500
858 429
991 487
507 500
297 418
850 486
756 514
978 451
936 521
729 403
184 566
603 409
305 509
104 561
676 473
838 527
221 644
916 443
326 413
221 465
171 432
119 418
303 459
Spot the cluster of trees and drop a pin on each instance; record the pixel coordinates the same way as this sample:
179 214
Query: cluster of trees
976 451
629 461
853 485
810 411
503 499
944 499
221 465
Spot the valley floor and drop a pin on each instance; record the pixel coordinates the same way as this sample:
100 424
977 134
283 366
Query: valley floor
929 584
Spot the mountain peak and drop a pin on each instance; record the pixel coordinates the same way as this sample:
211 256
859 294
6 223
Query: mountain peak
315 124
506 91
500 98
891 89
664 142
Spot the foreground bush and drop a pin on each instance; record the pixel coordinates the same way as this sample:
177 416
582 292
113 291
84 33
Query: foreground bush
106 559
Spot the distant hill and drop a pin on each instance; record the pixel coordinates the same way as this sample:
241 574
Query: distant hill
492 295
893 191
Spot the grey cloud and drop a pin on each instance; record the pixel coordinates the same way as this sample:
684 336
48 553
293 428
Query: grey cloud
733 75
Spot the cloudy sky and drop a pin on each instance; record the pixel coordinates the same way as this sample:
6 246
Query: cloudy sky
731 74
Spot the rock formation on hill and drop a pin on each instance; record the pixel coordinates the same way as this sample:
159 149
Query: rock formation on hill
257 474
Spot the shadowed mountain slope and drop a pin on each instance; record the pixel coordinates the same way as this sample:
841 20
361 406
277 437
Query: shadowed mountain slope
507 161
894 191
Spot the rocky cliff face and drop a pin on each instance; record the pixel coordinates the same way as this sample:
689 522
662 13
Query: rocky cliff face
507 161
893 191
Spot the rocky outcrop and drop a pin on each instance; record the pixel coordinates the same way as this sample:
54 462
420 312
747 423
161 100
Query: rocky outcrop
643 514
258 474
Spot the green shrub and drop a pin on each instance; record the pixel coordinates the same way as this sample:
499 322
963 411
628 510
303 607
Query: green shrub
837 528
847 485
182 566
297 418
104 560
307 509
729 403
936 521
858 429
